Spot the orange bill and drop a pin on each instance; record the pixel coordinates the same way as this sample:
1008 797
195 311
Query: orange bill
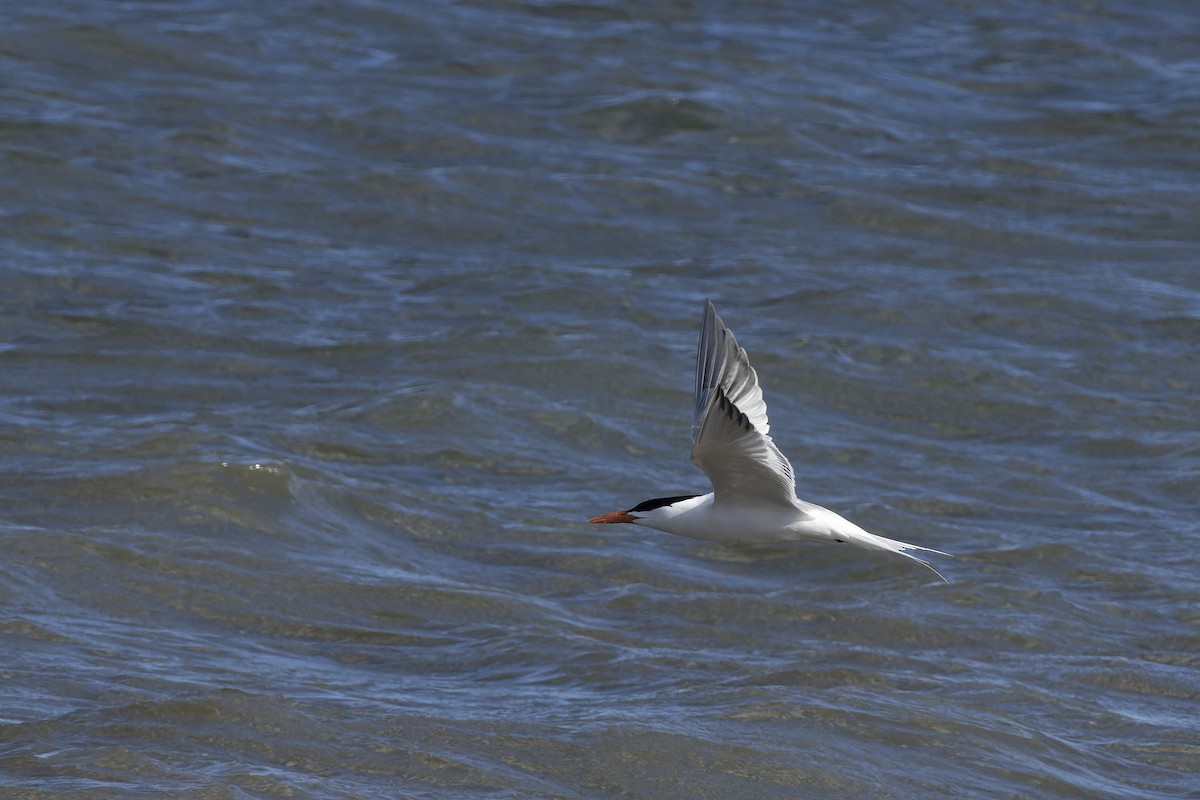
616 516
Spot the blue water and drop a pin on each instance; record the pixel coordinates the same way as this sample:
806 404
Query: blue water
325 327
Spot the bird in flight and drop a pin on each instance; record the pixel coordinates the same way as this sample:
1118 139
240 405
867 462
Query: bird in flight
753 500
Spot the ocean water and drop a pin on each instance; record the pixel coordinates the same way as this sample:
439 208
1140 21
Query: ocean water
324 327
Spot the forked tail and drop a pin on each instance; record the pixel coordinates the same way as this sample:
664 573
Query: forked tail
870 541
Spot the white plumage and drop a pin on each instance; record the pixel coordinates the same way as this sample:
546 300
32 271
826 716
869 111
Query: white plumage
753 500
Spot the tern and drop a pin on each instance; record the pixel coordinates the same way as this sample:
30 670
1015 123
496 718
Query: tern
753 500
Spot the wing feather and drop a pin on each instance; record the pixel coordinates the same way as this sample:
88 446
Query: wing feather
730 431
722 362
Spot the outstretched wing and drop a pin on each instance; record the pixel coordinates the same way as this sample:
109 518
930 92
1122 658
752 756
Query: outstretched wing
730 431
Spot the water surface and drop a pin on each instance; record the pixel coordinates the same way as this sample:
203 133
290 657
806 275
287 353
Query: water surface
325 327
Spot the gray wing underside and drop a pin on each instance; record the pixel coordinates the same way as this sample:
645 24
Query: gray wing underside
730 431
